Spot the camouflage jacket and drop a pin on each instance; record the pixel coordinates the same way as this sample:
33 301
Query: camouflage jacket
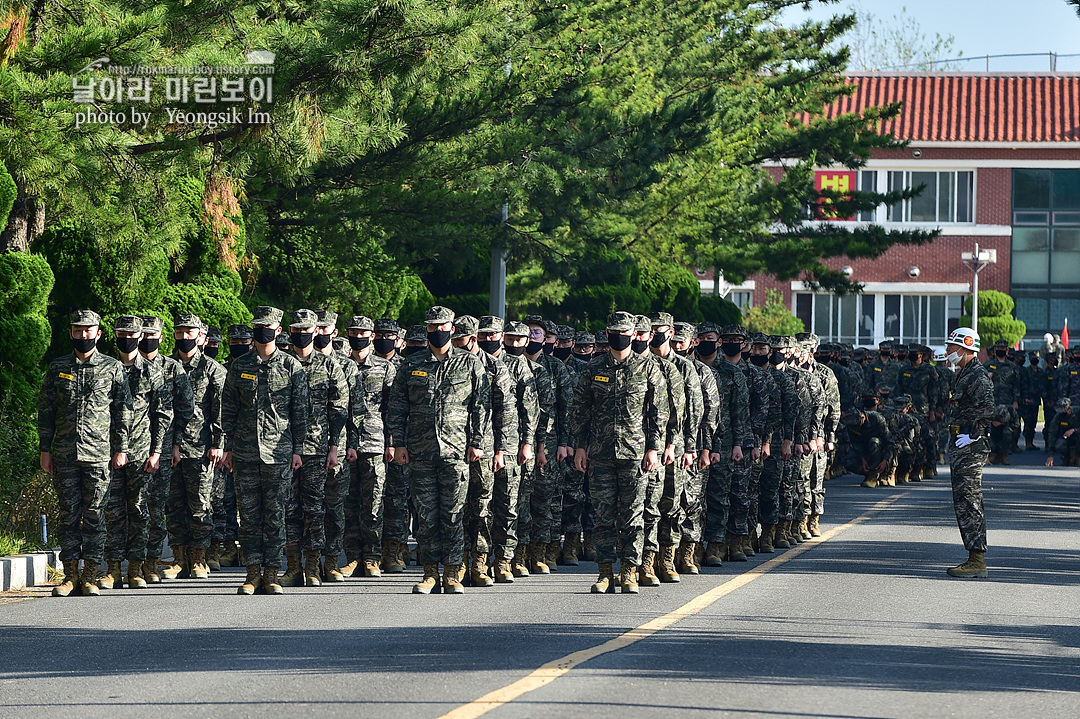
1032 386
711 426
84 409
831 405
875 427
545 396
563 391
575 366
151 409
1049 385
811 398
203 430
1006 379
858 379
676 401
761 401
904 429
265 407
526 400
921 384
734 406
182 394
348 368
1058 426
972 404
328 402
846 384
881 375
438 409
788 404
694 410
503 435
1068 382
946 379
619 408
369 402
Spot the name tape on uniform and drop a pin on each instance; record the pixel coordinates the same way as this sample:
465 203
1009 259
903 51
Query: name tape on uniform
66 376
419 373
601 378
245 375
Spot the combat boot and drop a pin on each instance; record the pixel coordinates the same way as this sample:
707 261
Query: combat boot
814 525
804 528
735 548
605 583
554 549
916 475
974 567
521 561
900 477
479 573
748 545
628 577
646 575
213 558
1029 445
1005 458
351 568
588 548
780 538
571 550
313 569
253 582
687 562
179 564
666 569
330 571
199 570
451 582
294 571
889 478
150 570
391 560
537 557
794 535
1074 457
871 480
134 575
714 554
504 573
88 579
71 579
230 555
270 581
765 545
430 580
113 576
371 568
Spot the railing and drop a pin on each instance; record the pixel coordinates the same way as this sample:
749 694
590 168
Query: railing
1017 62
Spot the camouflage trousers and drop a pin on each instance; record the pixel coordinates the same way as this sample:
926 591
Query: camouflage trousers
573 498
82 489
1029 413
966 466
872 451
126 518
189 512
478 500
545 496
338 488
223 502
261 493
727 500
396 508
364 511
928 442
526 480
770 477
789 494
305 506
588 512
814 499
663 506
692 503
1001 438
439 487
157 497
1064 445
804 467
618 493
753 494
504 509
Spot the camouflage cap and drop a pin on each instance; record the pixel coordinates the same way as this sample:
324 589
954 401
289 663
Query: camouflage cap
659 319
900 348
845 353
642 324
778 342
491 324
759 338
282 340
789 342
584 338
213 334
151 324
266 315
734 329
325 318
901 400
683 331
886 345
85 318
465 326
601 337
533 320
620 322
516 329
852 417
1002 413
359 322
339 344
565 332
550 328
385 324
704 327
438 315
187 321
1064 404
240 332
127 323
416 333
859 353
1000 343
302 319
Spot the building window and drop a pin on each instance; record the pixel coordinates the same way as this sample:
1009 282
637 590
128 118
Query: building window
741 299
947 197
867 319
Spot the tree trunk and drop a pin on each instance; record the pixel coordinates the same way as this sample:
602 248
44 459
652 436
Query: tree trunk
25 223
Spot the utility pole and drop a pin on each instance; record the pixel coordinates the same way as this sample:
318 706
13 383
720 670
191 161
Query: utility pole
499 253
977 260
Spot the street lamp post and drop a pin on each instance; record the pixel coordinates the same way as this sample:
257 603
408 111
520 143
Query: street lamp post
977 260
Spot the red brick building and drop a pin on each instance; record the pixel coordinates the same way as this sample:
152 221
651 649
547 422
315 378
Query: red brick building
1000 157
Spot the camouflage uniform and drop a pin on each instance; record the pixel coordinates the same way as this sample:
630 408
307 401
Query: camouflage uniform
436 411
338 477
871 441
772 469
803 469
692 501
396 505
881 375
84 417
1000 433
904 429
547 482
1065 419
574 500
815 503
223 497
1006 379
265 416
762 420
920 383
807 426
1067 380
1032 389
970 411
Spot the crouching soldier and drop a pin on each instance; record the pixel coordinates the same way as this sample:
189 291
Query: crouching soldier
871 445
1062 435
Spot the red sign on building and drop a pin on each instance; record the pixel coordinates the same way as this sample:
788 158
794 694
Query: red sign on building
835 181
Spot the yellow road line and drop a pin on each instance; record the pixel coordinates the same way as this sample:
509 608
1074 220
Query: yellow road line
557 668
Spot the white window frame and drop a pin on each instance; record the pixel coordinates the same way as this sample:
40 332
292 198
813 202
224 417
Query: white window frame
882 212
879 312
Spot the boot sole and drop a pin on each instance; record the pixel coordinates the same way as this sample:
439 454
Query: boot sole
629 590
976 575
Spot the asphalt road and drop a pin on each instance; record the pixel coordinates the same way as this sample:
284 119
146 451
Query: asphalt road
864 624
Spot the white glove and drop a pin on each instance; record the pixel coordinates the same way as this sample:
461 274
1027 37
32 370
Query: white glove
963 440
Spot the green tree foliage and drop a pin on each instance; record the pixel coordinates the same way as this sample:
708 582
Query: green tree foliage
996 321
773 317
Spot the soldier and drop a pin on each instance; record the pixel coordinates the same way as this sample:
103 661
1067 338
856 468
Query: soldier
1032 390
946 379
564 342
881 372
226 528
905 431
1067 382
601 342
1000 435
872 449
971 409
509 348
1062 436
807 427
328 407
804 469
815 506
338 477
618 426
369 452
574 500
84 421
196 451
437 422
1050 391
387 335
396 506
157 489
919 381
779 430
1006 378
265 416
584 347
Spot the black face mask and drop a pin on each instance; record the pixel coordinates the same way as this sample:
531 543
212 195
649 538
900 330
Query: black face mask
489 346
238 350
1000 354
582 354
777 358
84 345
322 340
359 343
384 346
658 340
563 353
184 345
869 403
885 356
683 353
301 339
760 360
534 347
639 346
731 349
913 356
845 362
438 338
549 348
706 348
127 344
148 345
619 342
516 351
264 335
211 352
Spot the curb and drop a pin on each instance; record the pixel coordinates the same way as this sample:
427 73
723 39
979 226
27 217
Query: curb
27 570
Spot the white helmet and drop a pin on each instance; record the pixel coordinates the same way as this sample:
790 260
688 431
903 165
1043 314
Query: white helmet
965 337
939 356
1049 338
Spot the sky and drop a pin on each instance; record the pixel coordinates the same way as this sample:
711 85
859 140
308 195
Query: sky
981 27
